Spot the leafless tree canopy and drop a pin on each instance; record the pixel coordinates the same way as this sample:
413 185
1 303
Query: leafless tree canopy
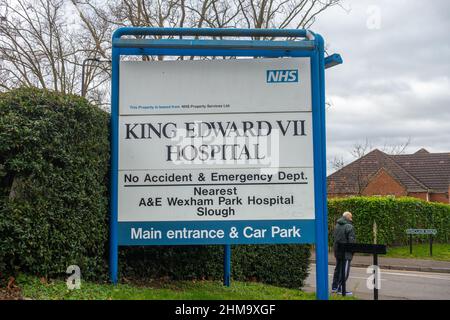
360 149
43 43
337 163
36 46
396 148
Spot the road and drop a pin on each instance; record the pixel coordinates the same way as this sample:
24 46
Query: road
395 284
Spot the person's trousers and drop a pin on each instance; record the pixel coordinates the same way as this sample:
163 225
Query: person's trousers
337 276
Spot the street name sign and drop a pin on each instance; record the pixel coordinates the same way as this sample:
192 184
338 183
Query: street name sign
421 231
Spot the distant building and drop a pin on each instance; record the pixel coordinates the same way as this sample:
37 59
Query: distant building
421 175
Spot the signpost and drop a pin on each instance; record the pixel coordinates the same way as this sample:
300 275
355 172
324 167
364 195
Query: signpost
228 151
374 249
429 232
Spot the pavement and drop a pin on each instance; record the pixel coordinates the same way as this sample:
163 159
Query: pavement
419 265
395 284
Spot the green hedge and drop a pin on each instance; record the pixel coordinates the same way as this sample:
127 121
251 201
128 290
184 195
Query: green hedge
54 156
392 216
282 265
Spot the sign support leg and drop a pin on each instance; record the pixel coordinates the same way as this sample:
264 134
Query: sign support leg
113 265
431 245
321 268
318 66
410 244
113 225
226 265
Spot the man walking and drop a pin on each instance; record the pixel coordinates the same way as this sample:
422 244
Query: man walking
343 233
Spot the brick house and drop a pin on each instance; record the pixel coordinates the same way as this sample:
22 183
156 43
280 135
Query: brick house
421 175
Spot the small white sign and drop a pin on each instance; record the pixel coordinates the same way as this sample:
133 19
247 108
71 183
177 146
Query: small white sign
421 231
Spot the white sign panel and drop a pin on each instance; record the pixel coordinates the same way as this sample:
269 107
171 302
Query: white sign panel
221 140
218 86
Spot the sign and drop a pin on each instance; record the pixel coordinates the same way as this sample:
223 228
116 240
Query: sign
421 231
375 250
221 151
215 152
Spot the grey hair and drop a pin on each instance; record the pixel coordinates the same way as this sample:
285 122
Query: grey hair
347 214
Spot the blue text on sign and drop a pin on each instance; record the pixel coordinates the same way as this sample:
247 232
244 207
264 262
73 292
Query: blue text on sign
276 76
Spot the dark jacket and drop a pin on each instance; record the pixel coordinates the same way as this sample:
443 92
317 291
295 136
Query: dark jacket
344 233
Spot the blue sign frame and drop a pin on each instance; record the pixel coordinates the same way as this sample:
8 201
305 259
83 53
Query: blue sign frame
306 44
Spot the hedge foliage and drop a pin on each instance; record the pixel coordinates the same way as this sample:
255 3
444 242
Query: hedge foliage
54 158
281 265
392 216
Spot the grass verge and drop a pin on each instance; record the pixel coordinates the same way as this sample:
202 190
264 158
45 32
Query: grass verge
34 288
441 252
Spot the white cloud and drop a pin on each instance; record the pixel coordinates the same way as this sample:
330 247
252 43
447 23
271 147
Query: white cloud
395 80
439 87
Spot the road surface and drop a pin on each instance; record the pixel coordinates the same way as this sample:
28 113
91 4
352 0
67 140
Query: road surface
404 285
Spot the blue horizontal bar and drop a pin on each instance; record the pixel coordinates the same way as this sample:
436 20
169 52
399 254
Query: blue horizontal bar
212 32
234 232
333 60
214 44
214 52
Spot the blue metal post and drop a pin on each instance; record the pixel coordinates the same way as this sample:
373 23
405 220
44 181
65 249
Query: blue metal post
321 191
113 243
227 265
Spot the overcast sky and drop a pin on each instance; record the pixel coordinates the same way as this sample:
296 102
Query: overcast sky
395 80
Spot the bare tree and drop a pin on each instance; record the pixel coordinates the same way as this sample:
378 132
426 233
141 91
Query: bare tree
359 149
99 18
396 148
41 47
281 13
43 43
33 45
337 162
198 14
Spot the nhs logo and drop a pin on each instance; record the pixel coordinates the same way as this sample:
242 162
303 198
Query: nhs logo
276 76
